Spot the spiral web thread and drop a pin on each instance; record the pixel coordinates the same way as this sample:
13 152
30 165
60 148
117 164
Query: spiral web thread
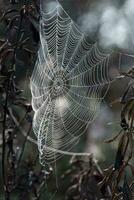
66 85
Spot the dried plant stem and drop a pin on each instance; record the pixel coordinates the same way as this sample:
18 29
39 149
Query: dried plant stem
24 144
6 193
18 125
122 169
4 143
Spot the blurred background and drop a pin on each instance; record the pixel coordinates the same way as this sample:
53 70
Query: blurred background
109 23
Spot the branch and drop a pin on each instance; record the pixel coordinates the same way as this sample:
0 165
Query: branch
23 132
4 140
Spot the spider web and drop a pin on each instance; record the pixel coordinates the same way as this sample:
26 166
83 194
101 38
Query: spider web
67 84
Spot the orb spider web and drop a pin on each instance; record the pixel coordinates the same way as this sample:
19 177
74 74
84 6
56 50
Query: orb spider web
67 84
